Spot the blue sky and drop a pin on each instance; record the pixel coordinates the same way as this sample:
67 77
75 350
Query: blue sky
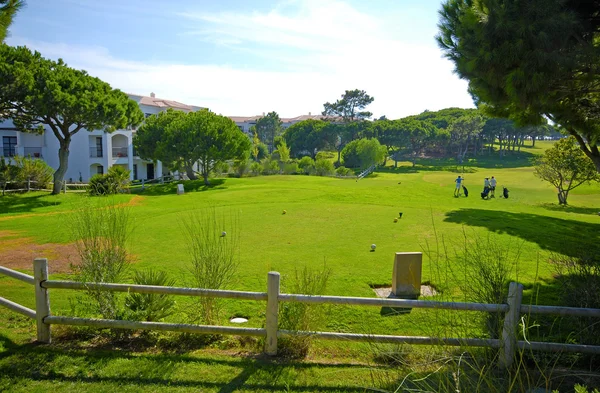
248 57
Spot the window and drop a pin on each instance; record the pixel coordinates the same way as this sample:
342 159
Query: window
100 170
10 146
135 175
147 115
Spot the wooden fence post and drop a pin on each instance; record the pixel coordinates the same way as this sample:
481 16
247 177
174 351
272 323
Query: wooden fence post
65 185
42 301
28 185
142 184
272 313
511 324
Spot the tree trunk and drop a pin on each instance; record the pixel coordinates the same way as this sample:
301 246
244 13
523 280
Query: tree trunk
189 171
562 197
63 163
533 141
205 176
339 157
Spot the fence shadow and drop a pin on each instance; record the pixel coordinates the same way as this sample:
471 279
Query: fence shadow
570 209
24 203
568 237
148 371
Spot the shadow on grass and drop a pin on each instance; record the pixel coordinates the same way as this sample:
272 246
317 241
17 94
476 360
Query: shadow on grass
568 237
188 185
151 372
24 203
570 209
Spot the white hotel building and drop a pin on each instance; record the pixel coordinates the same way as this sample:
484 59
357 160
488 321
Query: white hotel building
91 152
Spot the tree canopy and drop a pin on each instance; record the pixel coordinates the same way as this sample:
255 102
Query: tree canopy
268 128
308 136
350 107
566 167
530 59
37 92
8 10
184 139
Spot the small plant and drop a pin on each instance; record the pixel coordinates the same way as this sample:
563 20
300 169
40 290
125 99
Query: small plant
302 316
256 168
343 171
115 181
270 167
221 168
36 171
147 306
213 257
307 165
324 167
290 168
101 234
241 167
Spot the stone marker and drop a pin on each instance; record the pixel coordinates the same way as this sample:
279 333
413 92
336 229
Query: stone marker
406 279
180 189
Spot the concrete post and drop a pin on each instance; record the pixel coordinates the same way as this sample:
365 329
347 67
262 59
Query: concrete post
406 278
272 313
511 325
42 301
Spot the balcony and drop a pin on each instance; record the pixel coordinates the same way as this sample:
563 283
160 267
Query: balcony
96 152
33 152
118 152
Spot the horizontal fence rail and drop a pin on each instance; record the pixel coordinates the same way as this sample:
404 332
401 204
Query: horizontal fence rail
507 344
17 308
362 301
150 289
17 275
168 327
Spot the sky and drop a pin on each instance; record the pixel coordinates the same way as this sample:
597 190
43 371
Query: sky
246 57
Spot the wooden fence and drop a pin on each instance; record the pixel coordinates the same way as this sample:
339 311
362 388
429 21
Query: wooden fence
507 344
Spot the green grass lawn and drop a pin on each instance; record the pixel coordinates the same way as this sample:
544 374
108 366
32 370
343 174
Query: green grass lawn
328 220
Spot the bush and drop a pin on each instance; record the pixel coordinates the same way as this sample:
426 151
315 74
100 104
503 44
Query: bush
270 167
263 151
324 168
302 316
146 306
290 168
115 181
213 259
343 171
256 168
307 165
363 153
101 234
221 168
241 167
325 155
36 171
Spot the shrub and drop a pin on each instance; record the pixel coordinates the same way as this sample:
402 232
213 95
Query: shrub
306 164
256 168
343 171
290 168
146 306
101 233
36 171
302 316
241 167
115 181
363 153
213 258
325 155
270 167
324 167
263 151
221 168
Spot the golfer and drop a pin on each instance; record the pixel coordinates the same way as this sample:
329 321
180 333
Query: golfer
493 186
458 181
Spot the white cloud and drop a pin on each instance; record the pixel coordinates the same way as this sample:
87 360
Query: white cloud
324 46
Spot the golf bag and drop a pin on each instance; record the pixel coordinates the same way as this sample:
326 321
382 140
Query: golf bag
465 191
505 192
485 193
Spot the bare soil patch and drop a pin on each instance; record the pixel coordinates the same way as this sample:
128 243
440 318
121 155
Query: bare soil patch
18 252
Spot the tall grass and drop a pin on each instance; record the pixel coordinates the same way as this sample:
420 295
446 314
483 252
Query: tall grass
303 317
101 232
213 247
